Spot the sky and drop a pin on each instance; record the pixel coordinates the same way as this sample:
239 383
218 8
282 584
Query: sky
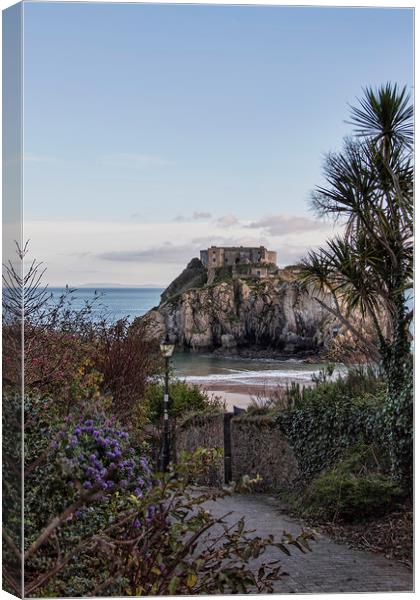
152 131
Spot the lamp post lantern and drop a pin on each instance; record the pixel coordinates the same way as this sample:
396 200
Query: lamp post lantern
167 349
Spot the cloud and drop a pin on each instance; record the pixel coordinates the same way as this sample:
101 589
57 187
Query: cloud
286 224
167 253
290 254
217 240
76 254
143 252
133 161
227 221
196 216
201 216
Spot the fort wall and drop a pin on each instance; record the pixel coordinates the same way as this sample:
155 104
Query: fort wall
219 256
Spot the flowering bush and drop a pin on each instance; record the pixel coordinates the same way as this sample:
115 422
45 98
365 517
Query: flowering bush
151 540
79 474
98 456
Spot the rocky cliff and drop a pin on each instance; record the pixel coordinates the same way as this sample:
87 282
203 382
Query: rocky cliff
193 276
239 314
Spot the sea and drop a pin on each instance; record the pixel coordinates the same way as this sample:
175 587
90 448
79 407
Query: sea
116 303
206 370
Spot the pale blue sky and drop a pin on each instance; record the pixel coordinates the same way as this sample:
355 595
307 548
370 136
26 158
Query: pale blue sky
139 114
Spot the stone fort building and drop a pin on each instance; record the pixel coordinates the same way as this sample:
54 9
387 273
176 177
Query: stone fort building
218 256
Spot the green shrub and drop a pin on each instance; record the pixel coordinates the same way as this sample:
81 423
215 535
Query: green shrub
183 399
329 418
356 488
352 497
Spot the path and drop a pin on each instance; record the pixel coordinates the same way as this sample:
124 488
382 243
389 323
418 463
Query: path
330 567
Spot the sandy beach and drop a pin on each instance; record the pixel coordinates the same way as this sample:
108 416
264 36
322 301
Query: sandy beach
241 395
236 395
239 381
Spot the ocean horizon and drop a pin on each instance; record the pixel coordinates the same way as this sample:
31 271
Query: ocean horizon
115 302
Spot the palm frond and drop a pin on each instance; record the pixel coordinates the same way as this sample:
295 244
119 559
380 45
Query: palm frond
384 115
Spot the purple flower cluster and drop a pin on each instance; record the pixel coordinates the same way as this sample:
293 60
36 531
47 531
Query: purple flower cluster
101 458
150 515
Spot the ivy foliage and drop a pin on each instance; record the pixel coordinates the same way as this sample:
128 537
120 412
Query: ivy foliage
326 420
397 420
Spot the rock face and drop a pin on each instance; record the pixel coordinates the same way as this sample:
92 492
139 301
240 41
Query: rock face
237 314
193 276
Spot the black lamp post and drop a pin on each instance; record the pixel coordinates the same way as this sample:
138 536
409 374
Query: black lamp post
167 349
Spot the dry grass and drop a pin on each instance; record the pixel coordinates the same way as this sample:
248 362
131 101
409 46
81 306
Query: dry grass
270 400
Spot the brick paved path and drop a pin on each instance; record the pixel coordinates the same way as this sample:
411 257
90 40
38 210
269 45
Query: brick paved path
330 567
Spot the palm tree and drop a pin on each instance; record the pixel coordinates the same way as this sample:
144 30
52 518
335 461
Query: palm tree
369 190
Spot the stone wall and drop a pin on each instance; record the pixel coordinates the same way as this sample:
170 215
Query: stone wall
259 447
202 431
